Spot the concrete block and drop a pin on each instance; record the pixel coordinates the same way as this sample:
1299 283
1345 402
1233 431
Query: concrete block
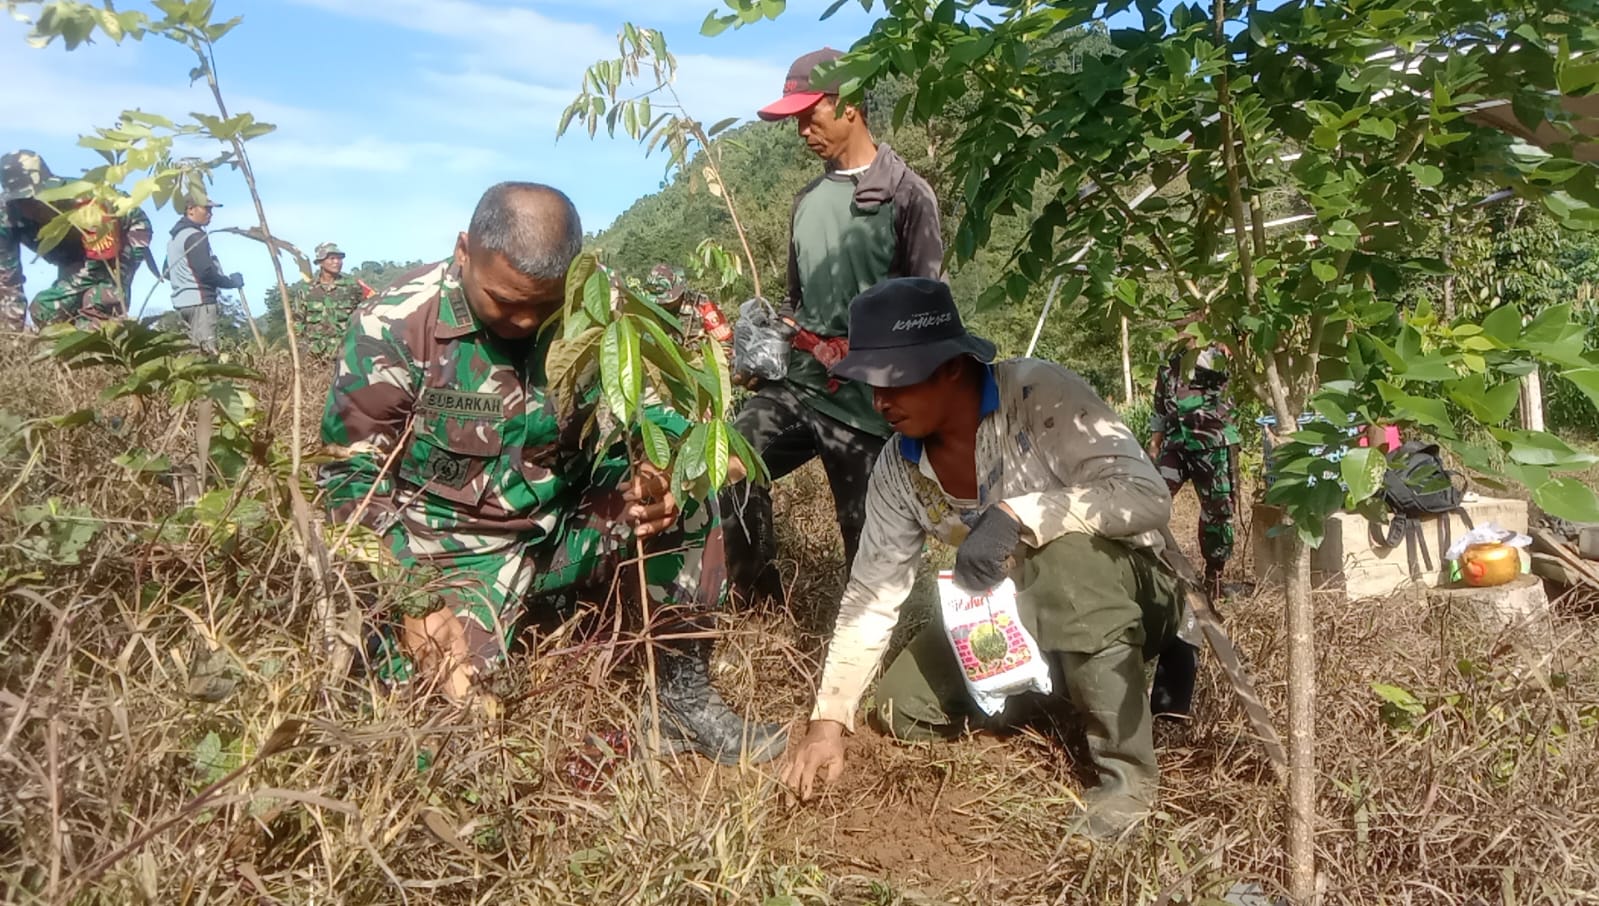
1519 604
1348 561
1588 542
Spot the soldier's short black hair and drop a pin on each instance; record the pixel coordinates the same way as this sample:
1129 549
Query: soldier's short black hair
533 225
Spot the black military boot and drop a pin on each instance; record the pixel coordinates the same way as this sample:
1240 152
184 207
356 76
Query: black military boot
1172 695
1213 584
694 718
750 543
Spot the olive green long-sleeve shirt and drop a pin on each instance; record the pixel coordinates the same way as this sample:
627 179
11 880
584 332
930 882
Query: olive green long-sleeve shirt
850 232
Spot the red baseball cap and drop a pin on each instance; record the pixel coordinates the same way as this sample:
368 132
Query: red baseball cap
799 94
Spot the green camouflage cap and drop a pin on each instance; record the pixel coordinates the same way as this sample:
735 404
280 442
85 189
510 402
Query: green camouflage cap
197 198
22 175
326 249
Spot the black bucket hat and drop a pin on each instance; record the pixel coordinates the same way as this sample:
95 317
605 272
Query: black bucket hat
902 329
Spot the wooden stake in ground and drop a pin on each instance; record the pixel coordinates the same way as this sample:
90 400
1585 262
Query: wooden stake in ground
1532 401
1301 725
1127 366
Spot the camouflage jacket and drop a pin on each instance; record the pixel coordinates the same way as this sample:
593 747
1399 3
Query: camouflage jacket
72 264
483 463
1191 407
321 313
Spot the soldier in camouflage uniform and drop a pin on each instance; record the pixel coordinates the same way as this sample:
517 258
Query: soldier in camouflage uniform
668 286
493 493
323 304
1193 438
94 272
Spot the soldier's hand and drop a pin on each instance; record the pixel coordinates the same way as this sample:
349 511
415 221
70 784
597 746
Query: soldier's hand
651 508
821 751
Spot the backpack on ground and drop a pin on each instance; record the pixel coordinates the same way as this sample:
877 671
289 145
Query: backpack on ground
1416 486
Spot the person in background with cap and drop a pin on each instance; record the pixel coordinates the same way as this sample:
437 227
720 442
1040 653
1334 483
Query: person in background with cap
868 217
94 271
1024 469
323 304
195 273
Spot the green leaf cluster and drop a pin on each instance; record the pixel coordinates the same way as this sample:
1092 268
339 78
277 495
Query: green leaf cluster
649 381
1280 175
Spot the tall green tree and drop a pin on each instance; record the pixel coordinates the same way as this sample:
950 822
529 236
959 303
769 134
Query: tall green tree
1166 159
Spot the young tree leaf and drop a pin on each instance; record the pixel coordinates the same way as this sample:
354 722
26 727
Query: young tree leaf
691 456
656 447
565 363
577 275
754 466
1362 469
716 452
611 354
1503 324
1586 379
1567 498
630 367
597 295
715 358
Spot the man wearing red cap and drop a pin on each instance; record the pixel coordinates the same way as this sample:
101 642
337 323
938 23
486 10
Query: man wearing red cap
865 219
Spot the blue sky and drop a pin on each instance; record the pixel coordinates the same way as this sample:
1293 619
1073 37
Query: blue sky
394 115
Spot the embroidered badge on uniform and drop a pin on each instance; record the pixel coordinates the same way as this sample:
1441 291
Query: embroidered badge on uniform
446 470
459 402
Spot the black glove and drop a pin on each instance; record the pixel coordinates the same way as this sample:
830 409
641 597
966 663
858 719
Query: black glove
237 279
980 560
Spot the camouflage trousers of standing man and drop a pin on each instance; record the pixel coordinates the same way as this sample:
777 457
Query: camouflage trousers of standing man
488 582
1212 471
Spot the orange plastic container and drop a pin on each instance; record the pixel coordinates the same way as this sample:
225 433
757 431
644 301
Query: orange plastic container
1485 565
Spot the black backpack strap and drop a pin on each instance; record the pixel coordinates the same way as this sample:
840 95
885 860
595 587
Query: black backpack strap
1445 532
1415 550
1388 537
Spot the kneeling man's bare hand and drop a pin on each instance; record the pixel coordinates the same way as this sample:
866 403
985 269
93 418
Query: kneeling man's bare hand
821 751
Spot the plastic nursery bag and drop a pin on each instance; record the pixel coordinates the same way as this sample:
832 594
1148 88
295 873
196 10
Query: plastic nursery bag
760 342
1487 533
997 654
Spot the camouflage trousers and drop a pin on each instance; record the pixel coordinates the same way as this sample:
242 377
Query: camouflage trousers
86 296
13 311
488 586
1211 469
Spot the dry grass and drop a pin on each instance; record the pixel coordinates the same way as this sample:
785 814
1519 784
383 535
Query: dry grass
134 680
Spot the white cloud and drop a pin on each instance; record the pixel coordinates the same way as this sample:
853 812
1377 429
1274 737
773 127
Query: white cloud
368 154
523 67
513 39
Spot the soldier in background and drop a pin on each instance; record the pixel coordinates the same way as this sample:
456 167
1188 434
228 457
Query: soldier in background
94 269
1193 439
698 313
323 305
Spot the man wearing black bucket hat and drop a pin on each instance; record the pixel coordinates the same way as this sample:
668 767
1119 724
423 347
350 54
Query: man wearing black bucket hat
1025 470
